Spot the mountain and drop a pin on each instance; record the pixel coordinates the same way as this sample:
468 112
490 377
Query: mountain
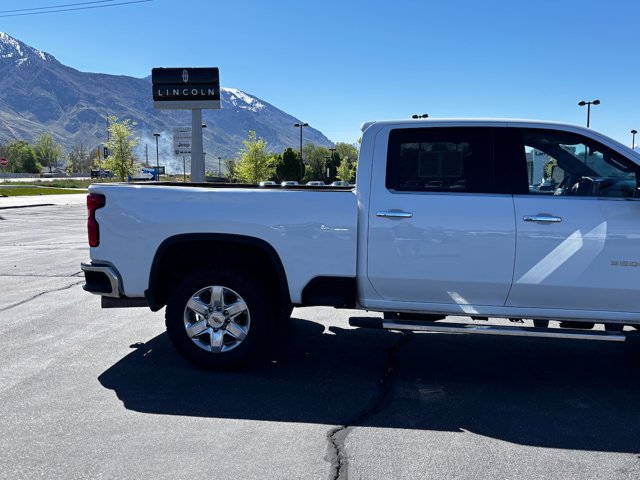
38 95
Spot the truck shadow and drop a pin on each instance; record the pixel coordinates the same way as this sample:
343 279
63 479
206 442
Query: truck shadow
549 393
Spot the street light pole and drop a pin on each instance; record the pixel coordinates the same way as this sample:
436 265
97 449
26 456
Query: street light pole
157 135
633 139
300 125
333 151
219 171
582 103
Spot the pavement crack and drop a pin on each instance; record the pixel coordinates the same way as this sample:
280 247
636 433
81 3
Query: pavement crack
336 437
22 302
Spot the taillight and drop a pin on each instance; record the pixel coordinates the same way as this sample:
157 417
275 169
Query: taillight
94 202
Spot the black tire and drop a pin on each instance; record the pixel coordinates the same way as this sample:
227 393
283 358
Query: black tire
258 319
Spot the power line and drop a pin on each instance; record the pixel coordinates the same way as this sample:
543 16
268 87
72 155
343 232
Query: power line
54 6
76 8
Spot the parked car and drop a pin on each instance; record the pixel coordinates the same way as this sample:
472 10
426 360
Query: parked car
289 183
267 183
101 173
340 183
316 183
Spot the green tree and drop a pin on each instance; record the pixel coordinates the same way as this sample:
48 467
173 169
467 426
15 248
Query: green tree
548 167
254 164
121 144
347 150
230 167
308 174
22 158
79 159
47 151
316 158
288 166
345 171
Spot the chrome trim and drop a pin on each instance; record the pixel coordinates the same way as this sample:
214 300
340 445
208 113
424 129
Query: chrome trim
505 330
394 214
111 274
542 218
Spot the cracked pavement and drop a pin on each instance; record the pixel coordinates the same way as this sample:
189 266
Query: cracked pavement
92 393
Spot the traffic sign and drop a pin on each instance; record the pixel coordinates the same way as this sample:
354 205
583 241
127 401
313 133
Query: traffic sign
3 162
182 141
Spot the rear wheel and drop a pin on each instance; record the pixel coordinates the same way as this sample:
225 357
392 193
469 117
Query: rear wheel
219 318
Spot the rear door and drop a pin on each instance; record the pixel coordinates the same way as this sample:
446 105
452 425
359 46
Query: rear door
441 231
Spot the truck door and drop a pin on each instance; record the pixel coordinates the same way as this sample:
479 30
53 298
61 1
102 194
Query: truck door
441 227
577 238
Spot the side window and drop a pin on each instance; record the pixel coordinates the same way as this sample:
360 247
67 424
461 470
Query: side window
441 160
566 164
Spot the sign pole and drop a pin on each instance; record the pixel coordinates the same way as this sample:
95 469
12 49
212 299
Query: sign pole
197 159
184 169
3 163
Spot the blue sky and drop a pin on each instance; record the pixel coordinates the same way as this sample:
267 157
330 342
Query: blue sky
336 64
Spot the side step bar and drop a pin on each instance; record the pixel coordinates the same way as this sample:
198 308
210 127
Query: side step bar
506 330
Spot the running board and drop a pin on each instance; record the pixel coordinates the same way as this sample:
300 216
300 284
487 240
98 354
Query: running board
505 330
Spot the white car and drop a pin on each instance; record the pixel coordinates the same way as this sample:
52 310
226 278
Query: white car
289 183
340 183
316 183
267 183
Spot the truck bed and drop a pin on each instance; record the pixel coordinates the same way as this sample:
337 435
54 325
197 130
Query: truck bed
312 237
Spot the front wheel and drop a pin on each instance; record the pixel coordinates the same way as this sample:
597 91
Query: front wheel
219 318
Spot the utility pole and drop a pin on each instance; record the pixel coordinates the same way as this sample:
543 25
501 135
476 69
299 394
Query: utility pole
157 135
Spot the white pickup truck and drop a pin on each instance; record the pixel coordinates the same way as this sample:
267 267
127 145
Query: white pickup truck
447 218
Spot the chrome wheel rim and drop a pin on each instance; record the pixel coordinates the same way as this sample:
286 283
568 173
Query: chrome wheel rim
216 319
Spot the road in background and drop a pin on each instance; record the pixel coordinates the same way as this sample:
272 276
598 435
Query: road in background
38 179
92 393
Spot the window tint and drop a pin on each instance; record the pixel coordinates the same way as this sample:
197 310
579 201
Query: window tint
441 160
566 164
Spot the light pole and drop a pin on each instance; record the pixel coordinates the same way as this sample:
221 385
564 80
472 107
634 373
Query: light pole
633 139
300 125
333 151
157 135
582 103
219 171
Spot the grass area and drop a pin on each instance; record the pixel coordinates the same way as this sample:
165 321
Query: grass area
30 191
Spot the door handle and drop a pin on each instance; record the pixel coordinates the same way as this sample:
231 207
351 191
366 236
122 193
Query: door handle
543 217
394 214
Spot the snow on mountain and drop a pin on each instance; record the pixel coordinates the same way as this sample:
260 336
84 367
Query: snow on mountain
10 48
240 99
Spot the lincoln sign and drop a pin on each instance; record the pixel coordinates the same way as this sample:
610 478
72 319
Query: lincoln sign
186 88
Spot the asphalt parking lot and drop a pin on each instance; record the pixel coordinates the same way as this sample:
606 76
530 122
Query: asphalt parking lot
92 393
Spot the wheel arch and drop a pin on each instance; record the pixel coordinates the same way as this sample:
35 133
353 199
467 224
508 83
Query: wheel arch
179 254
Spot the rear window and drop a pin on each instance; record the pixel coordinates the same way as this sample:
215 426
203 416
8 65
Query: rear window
441 160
